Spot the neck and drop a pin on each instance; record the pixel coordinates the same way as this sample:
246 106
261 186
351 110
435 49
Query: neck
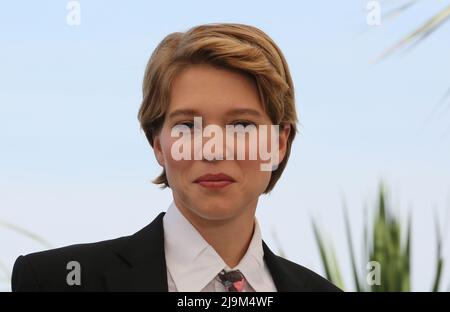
222 234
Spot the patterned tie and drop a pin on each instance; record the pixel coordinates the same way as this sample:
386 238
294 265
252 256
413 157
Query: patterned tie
233 281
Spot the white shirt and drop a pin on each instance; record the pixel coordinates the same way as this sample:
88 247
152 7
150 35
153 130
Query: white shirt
193 264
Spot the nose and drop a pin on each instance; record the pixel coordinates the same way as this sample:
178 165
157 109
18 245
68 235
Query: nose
211 144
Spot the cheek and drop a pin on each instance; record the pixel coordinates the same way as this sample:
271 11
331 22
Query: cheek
261 153
255 178
256 171
175 169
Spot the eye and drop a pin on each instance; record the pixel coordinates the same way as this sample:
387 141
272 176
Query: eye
189 124
243 123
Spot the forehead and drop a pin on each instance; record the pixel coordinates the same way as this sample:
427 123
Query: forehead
207 88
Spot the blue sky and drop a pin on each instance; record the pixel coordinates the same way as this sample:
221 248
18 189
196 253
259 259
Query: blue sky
74 166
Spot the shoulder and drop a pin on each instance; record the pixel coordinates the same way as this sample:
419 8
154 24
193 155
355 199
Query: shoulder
54 270
48 270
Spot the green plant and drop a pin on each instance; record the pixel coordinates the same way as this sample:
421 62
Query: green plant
387 245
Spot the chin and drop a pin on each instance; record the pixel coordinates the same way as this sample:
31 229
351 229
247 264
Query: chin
216 211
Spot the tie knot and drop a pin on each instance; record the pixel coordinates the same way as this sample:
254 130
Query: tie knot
232 280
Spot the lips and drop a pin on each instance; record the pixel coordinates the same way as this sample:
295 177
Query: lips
214 180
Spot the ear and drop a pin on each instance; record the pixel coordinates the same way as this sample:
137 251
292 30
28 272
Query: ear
157 149
285 130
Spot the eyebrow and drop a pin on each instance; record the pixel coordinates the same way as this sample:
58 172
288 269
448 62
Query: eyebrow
232 112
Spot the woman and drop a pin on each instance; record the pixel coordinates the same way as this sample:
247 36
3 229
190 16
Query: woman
218 109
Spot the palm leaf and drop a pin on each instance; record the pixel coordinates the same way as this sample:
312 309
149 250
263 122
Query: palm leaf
25 232
323 253
388 245
439 260
419 34
334 268
352 253
397 11
407 258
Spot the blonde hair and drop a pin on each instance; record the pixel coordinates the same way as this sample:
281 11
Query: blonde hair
239 47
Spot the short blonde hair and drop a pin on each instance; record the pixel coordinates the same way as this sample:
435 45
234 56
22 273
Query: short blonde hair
239 47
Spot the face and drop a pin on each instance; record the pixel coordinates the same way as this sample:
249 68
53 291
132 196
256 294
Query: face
220 97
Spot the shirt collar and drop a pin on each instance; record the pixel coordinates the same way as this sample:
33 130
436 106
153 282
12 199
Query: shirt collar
193 263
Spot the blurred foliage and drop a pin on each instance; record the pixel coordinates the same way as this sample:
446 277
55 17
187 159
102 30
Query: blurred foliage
420 33
416 36
387 244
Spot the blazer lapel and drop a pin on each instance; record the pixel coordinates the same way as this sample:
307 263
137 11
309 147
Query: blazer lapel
145 264
144 258
283 278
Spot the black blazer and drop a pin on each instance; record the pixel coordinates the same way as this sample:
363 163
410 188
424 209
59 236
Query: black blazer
134 263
